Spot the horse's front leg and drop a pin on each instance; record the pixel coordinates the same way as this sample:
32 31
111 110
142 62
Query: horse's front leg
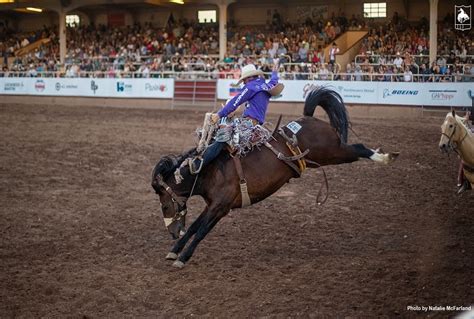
181 242
212 218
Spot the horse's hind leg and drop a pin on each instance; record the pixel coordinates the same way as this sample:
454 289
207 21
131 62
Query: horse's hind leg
181 242
375 155
206 226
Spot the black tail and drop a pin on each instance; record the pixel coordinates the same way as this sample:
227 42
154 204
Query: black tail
332 103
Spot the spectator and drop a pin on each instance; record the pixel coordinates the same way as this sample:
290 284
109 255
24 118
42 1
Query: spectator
323 72
303 52
407 75
398 61
358 73
332 53
32 72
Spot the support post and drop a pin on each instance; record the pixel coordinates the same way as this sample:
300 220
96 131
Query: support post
433 30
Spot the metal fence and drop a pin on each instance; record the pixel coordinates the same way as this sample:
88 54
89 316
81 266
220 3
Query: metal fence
214 75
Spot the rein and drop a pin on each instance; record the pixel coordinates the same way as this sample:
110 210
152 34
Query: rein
179 202
326 183
454 146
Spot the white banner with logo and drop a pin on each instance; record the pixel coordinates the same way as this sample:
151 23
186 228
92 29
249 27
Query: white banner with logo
391 93
131 88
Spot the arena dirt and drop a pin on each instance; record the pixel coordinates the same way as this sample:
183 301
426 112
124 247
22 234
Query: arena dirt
82 234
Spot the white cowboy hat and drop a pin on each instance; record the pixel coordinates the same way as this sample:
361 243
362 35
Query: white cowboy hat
248 71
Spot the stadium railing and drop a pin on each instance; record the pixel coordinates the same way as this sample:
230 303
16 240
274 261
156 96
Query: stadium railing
214 75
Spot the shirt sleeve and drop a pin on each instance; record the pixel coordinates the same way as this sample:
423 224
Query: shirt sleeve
236 101
274 79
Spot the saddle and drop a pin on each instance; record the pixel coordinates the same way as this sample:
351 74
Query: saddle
241 136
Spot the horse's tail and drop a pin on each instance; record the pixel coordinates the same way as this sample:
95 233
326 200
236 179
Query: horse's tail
332 103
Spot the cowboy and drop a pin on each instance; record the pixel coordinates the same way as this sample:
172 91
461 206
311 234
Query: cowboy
256 93
463 183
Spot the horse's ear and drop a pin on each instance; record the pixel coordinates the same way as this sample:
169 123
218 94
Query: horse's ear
454 113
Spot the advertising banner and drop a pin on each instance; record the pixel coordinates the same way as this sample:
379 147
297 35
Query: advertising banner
391 93
386 93
114 88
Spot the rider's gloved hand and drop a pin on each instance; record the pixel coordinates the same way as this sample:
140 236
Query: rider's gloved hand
276 65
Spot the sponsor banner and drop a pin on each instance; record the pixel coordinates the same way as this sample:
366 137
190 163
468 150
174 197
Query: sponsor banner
448 94
13 85
391 93
429 94
313 12
131 88
400 93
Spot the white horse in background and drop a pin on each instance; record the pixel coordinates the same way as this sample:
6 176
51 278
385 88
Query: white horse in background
457 137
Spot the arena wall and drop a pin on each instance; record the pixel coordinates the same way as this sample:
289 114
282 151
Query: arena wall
437 94
290 109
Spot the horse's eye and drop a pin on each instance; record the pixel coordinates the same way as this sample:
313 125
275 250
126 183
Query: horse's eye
450 126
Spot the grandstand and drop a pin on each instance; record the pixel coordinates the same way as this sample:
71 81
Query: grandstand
194 40
140 38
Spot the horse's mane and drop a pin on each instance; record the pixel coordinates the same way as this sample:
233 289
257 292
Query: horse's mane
169 163
460 120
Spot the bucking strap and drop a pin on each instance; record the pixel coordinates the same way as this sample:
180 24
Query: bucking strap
288 160
242 182
295 150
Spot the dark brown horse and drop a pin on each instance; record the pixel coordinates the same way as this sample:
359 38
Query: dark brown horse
218 184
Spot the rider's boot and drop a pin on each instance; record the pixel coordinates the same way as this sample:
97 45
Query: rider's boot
198 163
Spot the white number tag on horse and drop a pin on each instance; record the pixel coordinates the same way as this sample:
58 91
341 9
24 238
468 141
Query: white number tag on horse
294 127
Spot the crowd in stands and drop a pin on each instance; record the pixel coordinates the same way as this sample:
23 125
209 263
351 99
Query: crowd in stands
393 51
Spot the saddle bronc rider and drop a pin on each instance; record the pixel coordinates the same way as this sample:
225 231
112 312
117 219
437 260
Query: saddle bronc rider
257 93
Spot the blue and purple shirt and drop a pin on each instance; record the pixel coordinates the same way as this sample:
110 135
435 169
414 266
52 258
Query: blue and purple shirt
256 94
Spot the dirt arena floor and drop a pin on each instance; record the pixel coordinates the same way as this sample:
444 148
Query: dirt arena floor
81 233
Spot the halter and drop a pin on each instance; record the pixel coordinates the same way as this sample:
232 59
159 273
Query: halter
179 202
454 147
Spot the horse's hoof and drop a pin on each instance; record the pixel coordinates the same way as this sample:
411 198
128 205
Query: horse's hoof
178 264
171 256
383 158
393 156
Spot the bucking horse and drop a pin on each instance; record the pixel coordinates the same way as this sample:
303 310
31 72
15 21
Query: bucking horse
230 182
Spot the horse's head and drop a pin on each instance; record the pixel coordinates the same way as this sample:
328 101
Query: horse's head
173 206
451 132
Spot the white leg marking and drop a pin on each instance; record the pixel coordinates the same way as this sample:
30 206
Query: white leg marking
380 158
178 264
168 221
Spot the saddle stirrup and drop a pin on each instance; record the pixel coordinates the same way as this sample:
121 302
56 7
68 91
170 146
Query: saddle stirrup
192 168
